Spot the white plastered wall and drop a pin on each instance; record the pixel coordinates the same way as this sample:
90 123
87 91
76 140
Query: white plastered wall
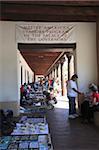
1 81
8 61
25 67
8 69
23 63
86 60
84 35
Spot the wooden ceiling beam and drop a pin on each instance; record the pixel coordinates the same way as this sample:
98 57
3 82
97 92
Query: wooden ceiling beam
40 61
49 10
40 55
54 11
45 47
56 60
47 18
40 64
55 2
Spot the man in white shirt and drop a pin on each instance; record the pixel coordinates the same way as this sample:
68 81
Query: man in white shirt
72 92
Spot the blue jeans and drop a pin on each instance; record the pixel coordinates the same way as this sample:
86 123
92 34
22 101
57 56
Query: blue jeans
72 105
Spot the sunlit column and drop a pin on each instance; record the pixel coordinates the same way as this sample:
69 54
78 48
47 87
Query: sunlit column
62 75
59 74
65 75
55 75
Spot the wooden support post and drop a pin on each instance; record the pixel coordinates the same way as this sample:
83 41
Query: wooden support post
97 40
69 58
62 77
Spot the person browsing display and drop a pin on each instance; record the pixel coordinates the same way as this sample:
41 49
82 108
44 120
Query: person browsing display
72 92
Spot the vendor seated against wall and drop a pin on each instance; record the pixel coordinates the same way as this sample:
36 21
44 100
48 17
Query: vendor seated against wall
95 99
90 104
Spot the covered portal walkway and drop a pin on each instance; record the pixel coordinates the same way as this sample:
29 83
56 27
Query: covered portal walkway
31 17
71 134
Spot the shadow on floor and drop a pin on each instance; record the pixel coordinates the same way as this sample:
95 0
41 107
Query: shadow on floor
71 134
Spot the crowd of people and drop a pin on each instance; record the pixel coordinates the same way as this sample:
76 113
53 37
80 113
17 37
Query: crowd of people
88 102
45 85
